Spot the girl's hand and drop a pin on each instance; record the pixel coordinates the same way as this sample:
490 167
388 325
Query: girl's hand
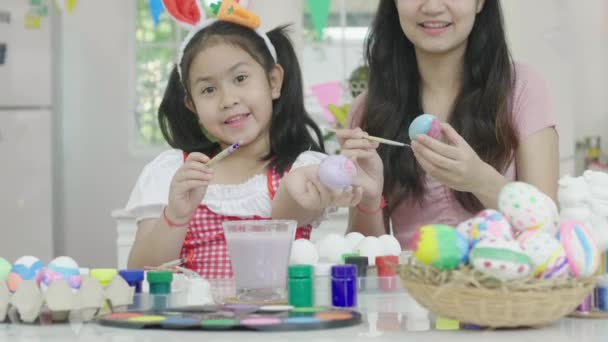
454 164
370 171
188 187
305 187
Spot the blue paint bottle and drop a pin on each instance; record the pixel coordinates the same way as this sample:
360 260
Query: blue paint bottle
344 286
134 278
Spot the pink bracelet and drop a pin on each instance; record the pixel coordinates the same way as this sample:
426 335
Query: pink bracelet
171 223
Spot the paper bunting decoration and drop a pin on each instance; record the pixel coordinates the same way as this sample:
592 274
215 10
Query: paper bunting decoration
156 9
70 4
326 94
66 5
319 12
340 113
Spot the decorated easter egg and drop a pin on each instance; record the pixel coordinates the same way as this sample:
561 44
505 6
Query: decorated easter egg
581 250
353 239
425 124
490 224
501 259
546 252
464 228
5 268
337 172
303 252
331 248
25 268
389 245
62 267
525 207
369 247
440 246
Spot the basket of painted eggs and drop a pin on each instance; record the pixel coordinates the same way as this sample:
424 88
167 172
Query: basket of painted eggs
515 267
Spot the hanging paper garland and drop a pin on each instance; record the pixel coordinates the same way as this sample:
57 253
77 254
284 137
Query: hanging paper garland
156 9
319 13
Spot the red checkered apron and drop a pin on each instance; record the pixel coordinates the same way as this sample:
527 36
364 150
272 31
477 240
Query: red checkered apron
205 246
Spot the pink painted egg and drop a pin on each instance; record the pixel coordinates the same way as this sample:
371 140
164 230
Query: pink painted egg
490 224
547 254
337 172
525 207
581 250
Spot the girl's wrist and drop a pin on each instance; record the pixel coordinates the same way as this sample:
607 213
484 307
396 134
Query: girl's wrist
173 220
490 182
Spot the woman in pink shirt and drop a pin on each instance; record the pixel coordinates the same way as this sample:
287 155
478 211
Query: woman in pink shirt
449 58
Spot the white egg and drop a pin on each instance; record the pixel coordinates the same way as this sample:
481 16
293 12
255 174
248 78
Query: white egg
62 267
303 252
352 240
369 247
389 245
332 247
465 227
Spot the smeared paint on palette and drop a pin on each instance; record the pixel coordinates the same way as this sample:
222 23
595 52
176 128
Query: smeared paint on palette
236 317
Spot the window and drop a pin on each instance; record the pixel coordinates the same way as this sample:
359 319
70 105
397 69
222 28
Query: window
331 59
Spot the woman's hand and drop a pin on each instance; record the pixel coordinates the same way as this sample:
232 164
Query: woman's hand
188 187
455 163
370 171
305 187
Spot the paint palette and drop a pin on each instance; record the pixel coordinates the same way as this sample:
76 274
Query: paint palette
236 317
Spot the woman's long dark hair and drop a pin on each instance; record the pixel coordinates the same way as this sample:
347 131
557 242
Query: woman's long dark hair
291 125
481 113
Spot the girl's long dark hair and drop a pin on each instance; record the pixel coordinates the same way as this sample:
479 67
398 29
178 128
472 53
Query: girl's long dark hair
481 112
292 129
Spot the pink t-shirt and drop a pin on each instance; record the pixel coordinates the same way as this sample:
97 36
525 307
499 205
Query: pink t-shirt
532 112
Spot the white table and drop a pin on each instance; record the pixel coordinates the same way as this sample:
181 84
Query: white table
578 330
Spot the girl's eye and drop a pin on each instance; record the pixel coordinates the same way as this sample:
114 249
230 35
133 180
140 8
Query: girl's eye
241 78
208 90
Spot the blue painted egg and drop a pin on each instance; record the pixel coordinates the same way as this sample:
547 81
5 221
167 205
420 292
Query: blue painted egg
425 124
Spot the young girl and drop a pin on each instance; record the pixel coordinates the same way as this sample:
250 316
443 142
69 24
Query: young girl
232 84
448 58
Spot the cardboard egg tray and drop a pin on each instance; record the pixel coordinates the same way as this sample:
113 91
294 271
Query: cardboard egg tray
61 303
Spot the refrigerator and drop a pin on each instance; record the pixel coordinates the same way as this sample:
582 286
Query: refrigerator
26 121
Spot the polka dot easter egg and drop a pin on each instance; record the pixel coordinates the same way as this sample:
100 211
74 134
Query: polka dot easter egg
547 254
62 267
490 224
425 124
25 268
581 250
440 246
337 172
525 207
501 259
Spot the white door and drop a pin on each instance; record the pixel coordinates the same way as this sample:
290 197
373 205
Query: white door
25 184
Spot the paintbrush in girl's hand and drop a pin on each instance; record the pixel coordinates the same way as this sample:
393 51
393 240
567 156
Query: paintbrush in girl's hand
376 139
225 153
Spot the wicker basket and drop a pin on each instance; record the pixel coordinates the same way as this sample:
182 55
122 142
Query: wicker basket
469 297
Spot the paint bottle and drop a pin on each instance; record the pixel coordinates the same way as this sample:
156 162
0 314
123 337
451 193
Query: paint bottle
103 275
442 323
300 286
388 280
344 286
322 284
601 294
134 278
361 262
160 288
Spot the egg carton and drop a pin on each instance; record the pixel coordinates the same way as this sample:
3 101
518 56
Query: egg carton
59 302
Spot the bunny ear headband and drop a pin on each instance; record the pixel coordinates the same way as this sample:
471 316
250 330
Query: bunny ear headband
190 15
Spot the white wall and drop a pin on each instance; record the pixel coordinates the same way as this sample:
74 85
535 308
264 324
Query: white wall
98 171
565 41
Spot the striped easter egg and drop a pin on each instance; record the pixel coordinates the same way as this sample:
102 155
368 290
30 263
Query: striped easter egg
581 250
547 254
500 259
440 246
